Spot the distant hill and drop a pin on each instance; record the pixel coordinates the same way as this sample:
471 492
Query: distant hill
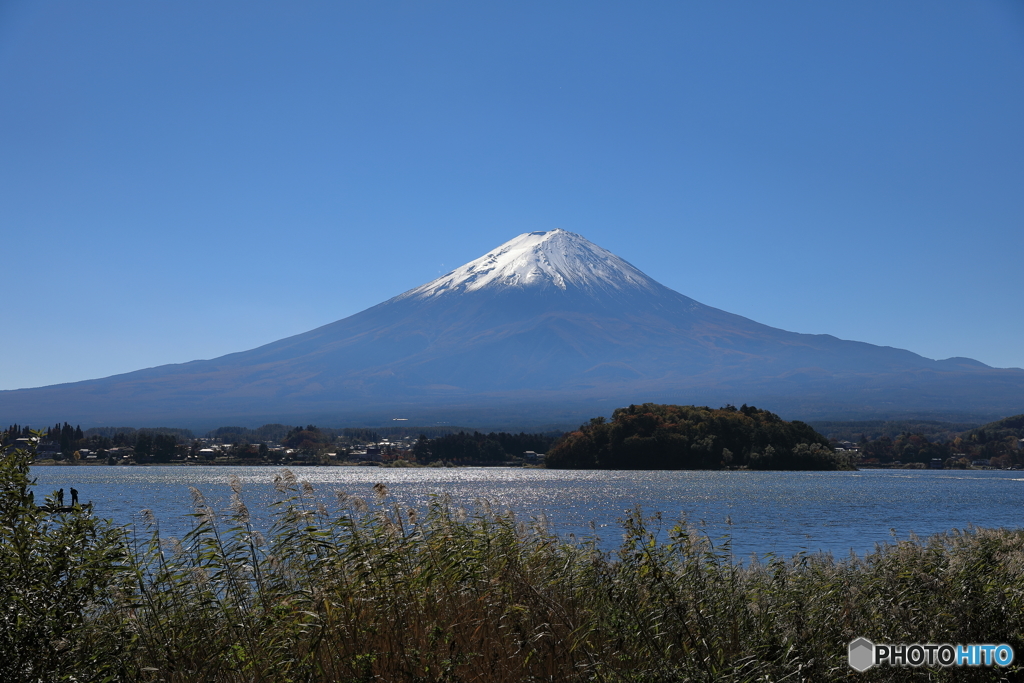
998 430
671 437
935 430
548 329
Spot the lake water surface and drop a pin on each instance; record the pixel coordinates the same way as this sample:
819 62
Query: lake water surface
762 512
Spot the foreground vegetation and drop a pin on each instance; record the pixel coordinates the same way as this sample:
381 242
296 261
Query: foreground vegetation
370 591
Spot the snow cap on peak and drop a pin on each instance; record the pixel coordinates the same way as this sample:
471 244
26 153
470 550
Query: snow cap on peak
556 258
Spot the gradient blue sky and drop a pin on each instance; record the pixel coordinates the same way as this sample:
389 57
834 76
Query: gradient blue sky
181 180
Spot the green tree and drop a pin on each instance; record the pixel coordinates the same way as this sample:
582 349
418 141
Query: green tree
143 445
163 447
421 450
55 568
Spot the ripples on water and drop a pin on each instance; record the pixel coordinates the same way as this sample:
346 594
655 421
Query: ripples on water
763 512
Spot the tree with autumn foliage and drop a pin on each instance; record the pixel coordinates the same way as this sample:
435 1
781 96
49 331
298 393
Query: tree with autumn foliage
656 437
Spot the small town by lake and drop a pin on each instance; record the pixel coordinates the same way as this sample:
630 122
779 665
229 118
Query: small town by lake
781 513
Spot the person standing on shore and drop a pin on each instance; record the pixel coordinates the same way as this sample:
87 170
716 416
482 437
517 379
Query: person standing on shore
74 497
60 498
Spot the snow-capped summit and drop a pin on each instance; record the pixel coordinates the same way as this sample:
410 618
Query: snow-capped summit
556 258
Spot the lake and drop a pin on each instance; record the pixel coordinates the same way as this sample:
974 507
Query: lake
762 512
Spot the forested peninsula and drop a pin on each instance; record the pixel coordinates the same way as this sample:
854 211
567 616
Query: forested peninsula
670 437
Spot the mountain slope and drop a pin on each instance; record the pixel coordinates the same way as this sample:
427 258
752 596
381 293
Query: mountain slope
546 323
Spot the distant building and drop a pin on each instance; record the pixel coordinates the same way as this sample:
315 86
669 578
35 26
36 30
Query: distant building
368 455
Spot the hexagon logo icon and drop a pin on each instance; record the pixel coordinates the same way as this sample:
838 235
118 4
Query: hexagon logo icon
862 654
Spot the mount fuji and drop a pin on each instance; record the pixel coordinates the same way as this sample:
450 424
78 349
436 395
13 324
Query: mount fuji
548 328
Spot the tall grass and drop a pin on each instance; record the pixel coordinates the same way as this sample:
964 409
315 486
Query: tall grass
372 591
375 592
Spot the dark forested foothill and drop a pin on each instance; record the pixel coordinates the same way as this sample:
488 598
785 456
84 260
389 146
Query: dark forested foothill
668 437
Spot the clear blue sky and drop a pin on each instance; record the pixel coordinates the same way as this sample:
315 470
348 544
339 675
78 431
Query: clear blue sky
181 180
